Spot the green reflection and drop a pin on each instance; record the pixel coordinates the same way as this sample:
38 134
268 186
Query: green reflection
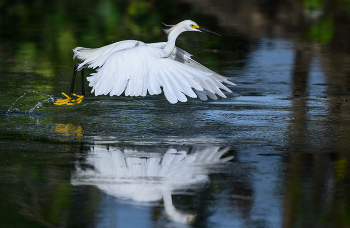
110 18
313 4
56 212
322 32
25 57
66 41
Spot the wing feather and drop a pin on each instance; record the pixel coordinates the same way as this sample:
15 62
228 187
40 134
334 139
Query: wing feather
211 86
192 63
175 86
201 94
140 74
210 94
214 88
204 85
153 86
143 91
170 85
184 85
168 92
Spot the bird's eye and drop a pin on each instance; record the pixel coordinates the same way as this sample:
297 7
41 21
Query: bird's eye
192 25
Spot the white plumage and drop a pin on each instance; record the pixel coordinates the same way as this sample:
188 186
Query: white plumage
137 68
133 174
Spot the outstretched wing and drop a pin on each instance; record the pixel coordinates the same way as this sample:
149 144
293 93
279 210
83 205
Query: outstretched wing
140 69
212 86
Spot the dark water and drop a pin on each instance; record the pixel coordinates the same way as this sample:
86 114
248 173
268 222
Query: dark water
275 153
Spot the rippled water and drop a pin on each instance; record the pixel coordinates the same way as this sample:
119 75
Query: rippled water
275 153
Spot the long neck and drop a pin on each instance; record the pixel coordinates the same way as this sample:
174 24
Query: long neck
170 45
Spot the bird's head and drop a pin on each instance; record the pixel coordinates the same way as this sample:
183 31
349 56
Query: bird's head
192 26
189 25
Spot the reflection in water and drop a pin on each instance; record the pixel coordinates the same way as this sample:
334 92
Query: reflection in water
68 132
149 176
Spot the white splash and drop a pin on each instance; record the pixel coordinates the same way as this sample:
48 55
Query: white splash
49 99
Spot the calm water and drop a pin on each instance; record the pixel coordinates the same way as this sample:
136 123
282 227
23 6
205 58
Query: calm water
275 153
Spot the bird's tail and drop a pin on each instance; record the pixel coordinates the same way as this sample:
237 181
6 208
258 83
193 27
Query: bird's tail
96 57
86 55
82 53
89 55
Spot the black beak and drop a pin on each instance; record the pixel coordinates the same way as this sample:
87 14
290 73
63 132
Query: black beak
207 31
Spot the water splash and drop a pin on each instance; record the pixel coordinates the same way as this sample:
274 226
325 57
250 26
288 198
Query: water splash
27 99
38 105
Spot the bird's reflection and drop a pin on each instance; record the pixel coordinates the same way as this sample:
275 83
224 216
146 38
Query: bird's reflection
134 174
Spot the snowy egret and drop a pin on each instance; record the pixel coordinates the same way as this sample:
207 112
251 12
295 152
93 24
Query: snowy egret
135 68
149 176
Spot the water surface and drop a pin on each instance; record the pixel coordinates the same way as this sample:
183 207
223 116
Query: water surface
275 153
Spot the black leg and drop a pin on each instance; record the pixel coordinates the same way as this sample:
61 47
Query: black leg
73 80
82 83
68 100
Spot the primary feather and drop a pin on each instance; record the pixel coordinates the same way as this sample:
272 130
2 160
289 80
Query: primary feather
136 69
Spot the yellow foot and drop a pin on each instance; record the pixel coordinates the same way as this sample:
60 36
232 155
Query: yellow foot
68 100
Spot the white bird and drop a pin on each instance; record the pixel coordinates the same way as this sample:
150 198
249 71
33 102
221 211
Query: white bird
132 174
135 68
